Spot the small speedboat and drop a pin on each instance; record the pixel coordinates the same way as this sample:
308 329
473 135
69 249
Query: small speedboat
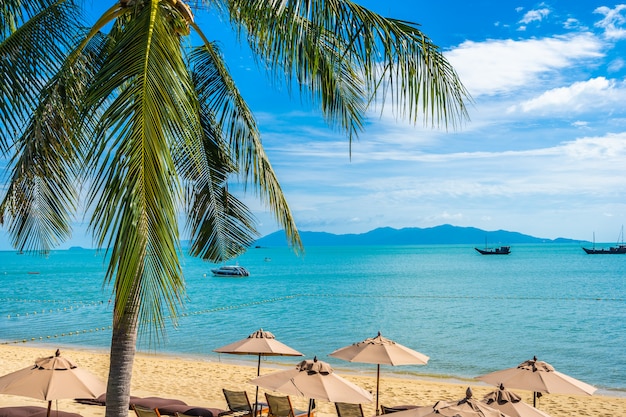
230 271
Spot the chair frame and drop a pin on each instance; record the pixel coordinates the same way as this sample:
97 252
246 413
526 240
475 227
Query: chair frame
141 411
240 409
354 407
292 412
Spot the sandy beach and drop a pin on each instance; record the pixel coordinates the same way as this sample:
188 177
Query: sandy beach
199 383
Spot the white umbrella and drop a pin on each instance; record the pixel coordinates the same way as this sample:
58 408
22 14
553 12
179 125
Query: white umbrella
511 404
538 376
260 343
315 380
52 378
467 407
381 351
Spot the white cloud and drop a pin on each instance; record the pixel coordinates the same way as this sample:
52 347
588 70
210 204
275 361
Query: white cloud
535 15
597 93
616 65
613 19
571 23
497 66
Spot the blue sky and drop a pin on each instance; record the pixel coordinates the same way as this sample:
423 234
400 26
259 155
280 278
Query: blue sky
543 154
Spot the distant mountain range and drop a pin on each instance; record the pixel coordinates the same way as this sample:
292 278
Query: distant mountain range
444 234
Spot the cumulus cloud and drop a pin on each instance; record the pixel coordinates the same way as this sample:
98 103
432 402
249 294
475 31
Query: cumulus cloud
496 66
613 21
581 96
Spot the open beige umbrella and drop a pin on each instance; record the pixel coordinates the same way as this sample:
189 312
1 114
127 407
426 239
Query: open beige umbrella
467 407
538 377
381 351
511 404
52 378
314 379
260 343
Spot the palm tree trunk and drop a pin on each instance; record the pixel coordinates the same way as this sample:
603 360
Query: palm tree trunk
123 347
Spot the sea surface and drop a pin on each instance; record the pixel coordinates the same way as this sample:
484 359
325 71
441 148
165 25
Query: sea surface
471 314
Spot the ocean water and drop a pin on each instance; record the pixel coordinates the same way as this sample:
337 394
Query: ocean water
471 314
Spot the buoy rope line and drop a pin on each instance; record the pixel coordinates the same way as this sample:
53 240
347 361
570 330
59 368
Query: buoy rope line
82 304
24 300
74 333
77 305
461 297
293 296
194 313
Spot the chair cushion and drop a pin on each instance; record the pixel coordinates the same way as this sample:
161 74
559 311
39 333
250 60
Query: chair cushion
201 412
33 411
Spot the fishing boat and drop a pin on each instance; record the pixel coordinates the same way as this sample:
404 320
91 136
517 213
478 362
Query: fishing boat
620 249
502 250
233 271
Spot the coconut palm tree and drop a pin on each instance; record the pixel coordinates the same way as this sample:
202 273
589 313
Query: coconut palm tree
133 122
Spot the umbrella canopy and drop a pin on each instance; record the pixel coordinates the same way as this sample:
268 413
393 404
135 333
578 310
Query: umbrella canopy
260 343
537 376
381 351
467 407
511 404
316 380
52 378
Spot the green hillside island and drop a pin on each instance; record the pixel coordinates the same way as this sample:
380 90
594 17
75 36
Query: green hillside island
445 235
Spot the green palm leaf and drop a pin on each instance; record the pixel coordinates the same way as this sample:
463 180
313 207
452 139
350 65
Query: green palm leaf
136 192
33 41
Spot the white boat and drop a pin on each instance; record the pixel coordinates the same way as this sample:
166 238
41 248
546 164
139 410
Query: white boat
230 271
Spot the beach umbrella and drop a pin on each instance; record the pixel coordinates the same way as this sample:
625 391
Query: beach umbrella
315 380
52 378
538 377
511 404
260 343
380 351
467 407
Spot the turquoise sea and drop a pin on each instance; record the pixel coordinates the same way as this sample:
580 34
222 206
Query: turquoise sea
471 314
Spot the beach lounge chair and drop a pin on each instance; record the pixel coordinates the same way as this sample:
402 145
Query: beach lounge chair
389 410
349 410
145 411
239 404
280 406
33 411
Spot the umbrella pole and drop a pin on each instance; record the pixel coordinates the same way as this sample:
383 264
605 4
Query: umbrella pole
534 399
49 407
310 406
256 396
377 383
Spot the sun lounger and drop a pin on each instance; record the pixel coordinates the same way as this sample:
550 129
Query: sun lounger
280 406
145 412
349 410
166 406
33 411
239 404
395 408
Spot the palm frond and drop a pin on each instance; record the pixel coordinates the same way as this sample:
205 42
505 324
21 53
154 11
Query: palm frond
42 194
221 226
336 47
30 54
136 191
217 92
